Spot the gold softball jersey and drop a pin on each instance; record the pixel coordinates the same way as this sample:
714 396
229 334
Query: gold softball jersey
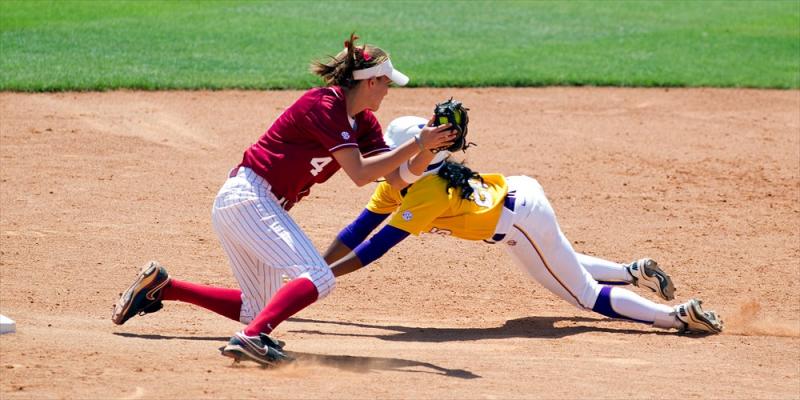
428 207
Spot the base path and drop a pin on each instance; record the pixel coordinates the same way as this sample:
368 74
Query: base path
706 181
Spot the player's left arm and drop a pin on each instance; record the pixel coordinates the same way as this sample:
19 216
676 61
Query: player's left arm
411 172
353 234
369 250
418 209
363 171
382 203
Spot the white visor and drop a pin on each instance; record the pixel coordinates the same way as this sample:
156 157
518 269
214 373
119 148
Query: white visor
383 69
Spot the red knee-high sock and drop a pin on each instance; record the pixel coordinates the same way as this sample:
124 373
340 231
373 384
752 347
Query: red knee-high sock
223 301
289 300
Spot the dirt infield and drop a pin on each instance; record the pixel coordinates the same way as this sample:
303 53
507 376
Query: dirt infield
705 181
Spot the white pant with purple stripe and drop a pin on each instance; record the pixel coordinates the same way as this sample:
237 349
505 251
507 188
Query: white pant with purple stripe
263 243
538 246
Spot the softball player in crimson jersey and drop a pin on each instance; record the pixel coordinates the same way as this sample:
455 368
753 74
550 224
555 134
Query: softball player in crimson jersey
450 199
326 129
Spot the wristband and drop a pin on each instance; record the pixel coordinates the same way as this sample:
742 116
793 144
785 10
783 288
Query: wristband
406 174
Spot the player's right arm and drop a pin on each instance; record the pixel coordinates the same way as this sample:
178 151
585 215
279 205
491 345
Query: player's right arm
366 170
382 203
369 250
353 234
415 211
416 166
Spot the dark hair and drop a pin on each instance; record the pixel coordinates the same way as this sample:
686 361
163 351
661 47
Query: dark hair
339 69
458 175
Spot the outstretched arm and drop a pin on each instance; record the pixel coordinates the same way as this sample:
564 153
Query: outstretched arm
369 250
352 235
411 171
365 170
336 251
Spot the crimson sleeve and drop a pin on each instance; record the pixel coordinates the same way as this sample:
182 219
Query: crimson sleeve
371 142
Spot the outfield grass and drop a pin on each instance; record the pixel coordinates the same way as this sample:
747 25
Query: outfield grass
98 45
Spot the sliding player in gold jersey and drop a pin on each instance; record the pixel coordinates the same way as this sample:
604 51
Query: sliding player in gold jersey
451 199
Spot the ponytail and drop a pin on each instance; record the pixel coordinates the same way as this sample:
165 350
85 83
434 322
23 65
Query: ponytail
458 176
339 69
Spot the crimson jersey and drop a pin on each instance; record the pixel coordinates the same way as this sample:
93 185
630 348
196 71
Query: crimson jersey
295 152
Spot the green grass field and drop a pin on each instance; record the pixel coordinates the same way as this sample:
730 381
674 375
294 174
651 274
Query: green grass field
100 45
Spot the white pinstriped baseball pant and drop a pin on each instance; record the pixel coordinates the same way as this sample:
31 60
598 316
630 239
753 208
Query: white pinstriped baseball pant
263 242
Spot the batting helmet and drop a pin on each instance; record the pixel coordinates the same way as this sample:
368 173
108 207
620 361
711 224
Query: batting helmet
403 129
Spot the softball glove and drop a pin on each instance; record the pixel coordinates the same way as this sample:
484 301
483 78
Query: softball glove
453 112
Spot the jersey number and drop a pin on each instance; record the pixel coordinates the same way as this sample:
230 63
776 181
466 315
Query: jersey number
318 163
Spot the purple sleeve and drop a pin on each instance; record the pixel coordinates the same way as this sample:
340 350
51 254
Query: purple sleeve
379 244
352 235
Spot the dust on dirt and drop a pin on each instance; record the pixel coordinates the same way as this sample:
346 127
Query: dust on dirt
749 320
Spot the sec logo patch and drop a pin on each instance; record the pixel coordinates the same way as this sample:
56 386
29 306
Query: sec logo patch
407 215
345 135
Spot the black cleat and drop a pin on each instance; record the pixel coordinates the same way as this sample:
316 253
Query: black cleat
261 349
144 296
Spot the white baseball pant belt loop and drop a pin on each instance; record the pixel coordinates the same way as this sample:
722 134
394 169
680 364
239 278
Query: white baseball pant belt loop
512 207
245 172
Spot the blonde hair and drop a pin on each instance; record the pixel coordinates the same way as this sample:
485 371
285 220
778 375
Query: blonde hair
339 69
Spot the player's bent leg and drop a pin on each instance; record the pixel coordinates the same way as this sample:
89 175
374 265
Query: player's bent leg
543 251
320 275
604 271
144 295
538 246
256 280
616 302
264 245
688 317
289 300
253 343
646 273
223 301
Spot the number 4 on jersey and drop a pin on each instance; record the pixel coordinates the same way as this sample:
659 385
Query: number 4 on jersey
318 163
